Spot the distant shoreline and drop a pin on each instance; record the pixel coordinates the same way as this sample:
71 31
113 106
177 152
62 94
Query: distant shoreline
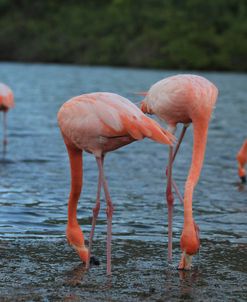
159 34
120 67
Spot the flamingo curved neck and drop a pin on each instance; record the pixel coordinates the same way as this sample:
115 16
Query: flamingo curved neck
199 147
72 213
75 156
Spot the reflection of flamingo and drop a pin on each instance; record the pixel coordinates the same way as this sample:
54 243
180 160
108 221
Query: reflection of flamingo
184 99
99 123
242 160
6 102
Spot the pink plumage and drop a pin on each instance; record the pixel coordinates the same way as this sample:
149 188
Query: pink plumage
184 99
99 123
6 97
181 98
6 102
242 160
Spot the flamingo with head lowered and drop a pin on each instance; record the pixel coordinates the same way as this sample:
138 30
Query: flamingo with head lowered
6 102
242 160
99 123
184 99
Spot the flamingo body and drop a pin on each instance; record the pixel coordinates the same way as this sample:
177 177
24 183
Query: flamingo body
242 160
102 122
181 99
99 123
6 102
6 98
184 99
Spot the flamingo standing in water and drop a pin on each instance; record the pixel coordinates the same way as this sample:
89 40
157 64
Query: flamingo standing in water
6 102
99 123
242 160
184 99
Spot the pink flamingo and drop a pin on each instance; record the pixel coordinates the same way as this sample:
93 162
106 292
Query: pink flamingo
184 99
242 160
6 102
99 123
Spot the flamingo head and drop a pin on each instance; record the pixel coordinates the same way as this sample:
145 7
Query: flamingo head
145 108
75 238
242 174
190 244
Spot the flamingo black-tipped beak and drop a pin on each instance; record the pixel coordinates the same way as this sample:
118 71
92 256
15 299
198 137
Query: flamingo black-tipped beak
243 179
94 260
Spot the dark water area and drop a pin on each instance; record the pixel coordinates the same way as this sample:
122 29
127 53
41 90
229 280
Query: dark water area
36 264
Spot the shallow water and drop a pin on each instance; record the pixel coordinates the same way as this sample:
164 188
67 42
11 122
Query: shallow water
37 265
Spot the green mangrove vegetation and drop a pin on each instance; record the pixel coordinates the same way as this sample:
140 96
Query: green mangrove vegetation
174 34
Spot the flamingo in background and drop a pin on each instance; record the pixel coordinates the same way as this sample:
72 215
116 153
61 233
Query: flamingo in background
242 160
184 99
6 102
99 123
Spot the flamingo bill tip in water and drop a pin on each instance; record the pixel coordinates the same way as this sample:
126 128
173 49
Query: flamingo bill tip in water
185 262
75 238
83 253
190 244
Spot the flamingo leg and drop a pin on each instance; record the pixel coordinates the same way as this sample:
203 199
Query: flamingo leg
109 212
180 197
173 158
170 200
179 141
96 209
4 131
169 195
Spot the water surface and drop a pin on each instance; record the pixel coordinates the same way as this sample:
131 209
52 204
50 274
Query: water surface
37 265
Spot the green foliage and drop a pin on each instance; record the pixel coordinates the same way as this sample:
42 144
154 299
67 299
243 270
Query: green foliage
178 34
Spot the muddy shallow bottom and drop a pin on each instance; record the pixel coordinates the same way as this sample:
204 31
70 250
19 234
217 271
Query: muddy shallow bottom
39 270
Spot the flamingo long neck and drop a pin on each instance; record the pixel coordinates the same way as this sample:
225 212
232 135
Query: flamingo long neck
199 147
245 149
75 157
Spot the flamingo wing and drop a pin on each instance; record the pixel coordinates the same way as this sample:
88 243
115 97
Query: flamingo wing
6 96
125 116
107 115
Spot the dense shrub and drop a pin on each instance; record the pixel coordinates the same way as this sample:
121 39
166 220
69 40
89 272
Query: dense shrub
178 34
